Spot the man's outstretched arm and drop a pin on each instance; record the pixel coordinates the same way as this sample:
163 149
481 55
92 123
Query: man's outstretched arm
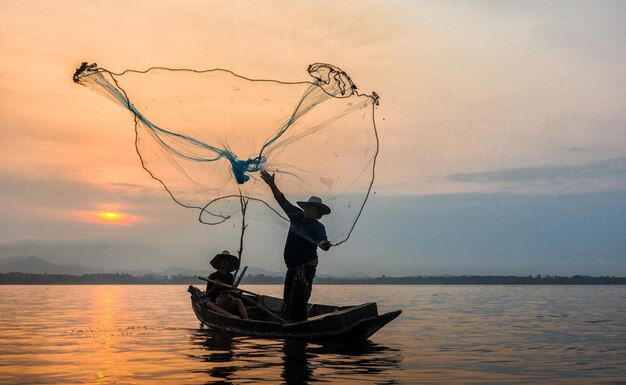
289 209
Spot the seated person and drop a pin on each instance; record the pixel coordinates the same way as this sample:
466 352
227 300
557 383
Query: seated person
219 298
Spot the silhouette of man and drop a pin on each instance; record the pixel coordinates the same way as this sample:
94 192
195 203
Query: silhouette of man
305 235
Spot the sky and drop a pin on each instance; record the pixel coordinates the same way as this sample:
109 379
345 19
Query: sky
502 130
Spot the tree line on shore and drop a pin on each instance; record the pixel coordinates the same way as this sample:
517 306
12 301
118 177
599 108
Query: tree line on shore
152 279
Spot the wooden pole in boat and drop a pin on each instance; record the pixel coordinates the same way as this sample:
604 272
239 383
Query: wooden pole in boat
241 274
248 299
228 286
243 202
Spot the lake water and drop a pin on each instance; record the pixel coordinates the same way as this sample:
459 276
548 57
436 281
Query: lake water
446 335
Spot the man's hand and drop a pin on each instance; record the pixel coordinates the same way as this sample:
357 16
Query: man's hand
269 179
325 245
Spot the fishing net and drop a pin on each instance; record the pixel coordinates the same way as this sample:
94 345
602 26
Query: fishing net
206 135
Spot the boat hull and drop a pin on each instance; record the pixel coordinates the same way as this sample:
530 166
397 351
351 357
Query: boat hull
327 323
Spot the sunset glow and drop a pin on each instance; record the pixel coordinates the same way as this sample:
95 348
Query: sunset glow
110 217
501 132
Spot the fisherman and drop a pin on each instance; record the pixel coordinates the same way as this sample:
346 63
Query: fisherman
219 298
305 235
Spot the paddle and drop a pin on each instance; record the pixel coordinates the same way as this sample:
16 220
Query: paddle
228 286
246 298
268 311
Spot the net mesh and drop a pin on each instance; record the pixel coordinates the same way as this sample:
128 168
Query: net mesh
206 135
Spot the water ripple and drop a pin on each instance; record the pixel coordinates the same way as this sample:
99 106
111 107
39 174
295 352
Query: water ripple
446 335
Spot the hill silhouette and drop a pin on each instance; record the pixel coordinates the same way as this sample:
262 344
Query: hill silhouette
36 265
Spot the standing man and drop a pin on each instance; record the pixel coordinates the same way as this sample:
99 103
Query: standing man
305 235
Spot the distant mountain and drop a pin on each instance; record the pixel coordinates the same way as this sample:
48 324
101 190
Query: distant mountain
181 271
36 265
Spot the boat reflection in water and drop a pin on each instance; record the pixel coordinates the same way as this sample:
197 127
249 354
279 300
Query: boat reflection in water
219 352
234 359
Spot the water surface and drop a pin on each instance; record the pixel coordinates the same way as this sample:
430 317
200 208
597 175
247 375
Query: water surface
446 335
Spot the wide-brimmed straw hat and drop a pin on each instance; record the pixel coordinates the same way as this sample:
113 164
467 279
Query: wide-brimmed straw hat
316 202
233 261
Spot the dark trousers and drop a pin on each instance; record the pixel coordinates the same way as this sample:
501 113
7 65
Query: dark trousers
296 294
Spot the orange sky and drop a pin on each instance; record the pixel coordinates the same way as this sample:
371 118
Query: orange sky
466 88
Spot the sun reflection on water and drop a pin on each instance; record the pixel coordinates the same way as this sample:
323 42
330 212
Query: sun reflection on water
105 301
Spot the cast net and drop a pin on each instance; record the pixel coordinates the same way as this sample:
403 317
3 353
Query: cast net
206 135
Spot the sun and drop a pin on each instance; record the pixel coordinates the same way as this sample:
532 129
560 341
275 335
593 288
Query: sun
107 216
110 216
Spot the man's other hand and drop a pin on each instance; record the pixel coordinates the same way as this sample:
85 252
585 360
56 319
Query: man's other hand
325 245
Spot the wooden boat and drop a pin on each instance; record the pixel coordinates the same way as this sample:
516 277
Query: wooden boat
325 323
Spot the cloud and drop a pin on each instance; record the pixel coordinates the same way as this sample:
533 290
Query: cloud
51 189
587 29
52 207
497 233
612 170
397 235
55 217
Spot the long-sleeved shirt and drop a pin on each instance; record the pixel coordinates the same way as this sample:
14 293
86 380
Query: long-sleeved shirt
303 237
